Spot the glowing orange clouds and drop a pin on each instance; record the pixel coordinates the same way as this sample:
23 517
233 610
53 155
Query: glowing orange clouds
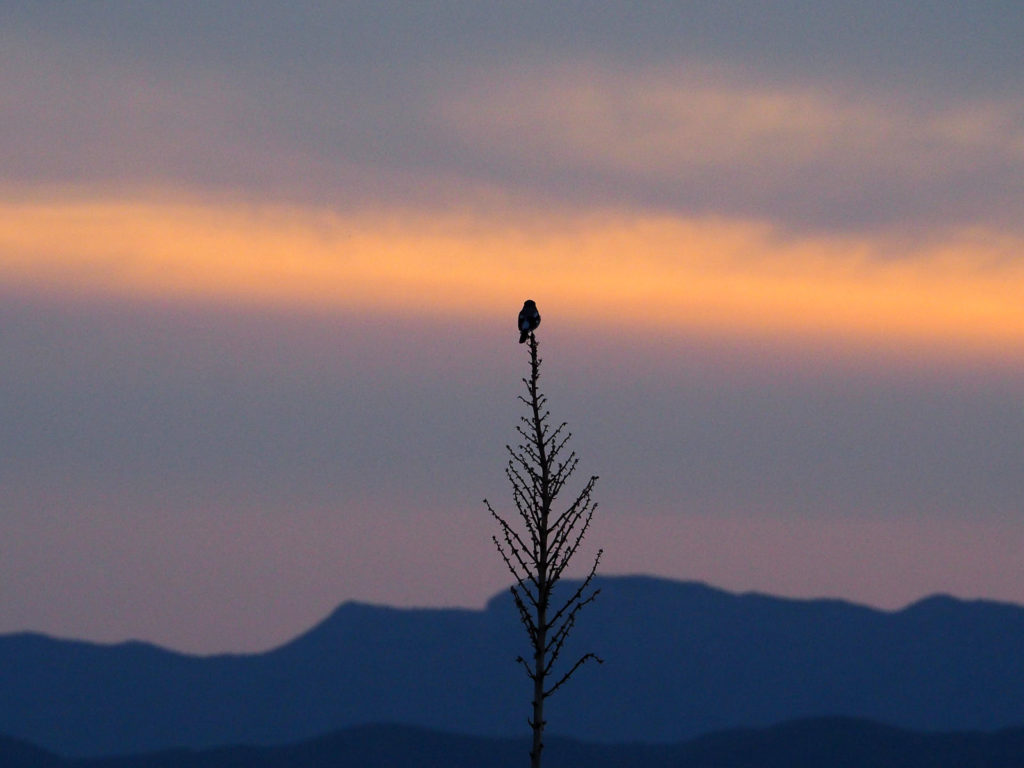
713 275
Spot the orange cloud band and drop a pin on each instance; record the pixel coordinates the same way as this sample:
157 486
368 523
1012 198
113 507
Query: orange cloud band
717 275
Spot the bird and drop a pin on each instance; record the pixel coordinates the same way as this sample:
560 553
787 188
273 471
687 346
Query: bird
529 319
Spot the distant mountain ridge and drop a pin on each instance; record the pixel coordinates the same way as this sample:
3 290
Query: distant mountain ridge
682 659
817 743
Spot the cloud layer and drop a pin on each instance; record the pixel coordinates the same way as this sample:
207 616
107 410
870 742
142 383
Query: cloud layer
348 107
259 265
950 288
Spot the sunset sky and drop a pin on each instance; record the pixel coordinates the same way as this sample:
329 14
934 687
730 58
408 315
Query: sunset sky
260 264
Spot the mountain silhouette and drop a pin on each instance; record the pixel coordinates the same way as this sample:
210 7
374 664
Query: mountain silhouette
682 659
817 743
15 753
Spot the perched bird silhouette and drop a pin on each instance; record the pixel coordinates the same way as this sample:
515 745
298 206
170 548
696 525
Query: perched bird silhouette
529 319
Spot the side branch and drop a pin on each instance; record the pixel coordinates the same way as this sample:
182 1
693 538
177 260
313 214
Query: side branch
565 678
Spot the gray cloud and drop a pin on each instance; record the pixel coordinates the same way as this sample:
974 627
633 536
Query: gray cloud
331 409
347 104
170 455
289 408
245 470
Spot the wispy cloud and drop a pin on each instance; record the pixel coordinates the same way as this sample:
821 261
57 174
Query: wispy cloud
693 138
679 129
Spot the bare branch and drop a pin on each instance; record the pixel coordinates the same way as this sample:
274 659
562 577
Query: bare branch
565 678
529 671
566 550
577 595
539 548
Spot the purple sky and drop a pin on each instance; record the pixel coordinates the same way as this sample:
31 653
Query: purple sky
217 468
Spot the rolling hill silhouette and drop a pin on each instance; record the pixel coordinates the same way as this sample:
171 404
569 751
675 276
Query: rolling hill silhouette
819 743
682 659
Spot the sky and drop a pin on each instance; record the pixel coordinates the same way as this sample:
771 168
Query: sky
260 264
